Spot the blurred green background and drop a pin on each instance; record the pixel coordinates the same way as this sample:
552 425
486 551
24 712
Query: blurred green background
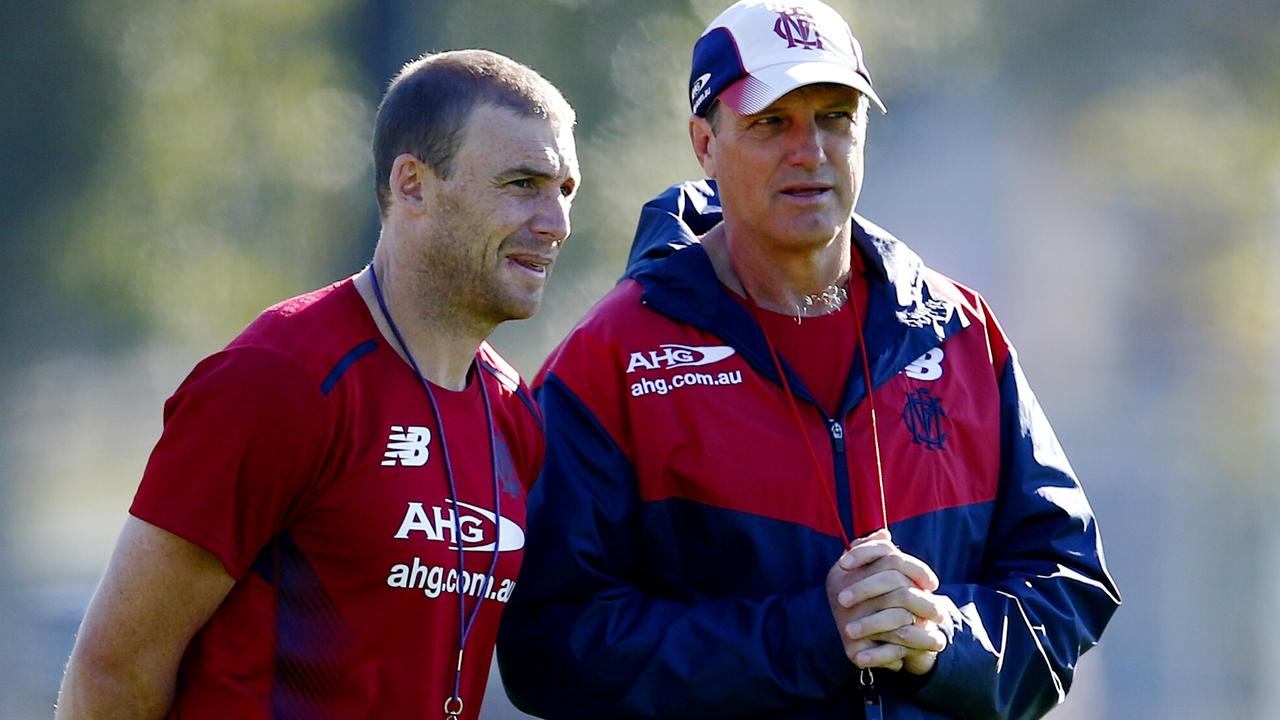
1107 173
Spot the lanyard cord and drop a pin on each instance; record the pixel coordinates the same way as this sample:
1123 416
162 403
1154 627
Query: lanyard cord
871 405
795 415
453 704
795 409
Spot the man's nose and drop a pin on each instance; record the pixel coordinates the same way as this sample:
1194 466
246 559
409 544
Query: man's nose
552 219
805 148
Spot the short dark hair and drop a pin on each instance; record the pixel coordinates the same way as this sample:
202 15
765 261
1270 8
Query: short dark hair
428 104
713 116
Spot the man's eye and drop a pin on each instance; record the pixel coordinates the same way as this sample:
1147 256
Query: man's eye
840 115
522 183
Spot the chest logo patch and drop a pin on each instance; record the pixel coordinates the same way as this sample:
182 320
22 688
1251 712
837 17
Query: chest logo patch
927 367
407 445
923 414
671 356
469 527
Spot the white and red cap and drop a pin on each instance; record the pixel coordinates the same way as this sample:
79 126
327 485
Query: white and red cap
759 50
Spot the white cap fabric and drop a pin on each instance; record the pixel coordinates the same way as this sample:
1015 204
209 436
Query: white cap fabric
759 50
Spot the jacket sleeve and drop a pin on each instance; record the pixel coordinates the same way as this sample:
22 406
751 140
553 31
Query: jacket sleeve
584 638
1044 594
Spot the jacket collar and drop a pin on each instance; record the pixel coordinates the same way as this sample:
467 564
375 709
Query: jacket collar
905 318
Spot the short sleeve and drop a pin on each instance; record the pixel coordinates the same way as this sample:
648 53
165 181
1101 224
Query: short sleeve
245 437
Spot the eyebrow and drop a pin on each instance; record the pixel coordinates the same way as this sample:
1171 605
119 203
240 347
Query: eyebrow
541 172
537 171
842 103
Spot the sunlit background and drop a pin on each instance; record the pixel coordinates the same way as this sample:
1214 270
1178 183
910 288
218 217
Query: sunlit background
1108 174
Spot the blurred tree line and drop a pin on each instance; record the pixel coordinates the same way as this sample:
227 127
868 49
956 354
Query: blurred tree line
173 167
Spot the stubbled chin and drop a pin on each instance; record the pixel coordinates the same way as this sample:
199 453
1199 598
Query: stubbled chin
813 229
523 308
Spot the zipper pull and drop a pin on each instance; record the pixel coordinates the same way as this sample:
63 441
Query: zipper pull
871 708
837 434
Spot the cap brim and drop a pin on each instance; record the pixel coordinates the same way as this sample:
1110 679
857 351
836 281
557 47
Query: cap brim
755 92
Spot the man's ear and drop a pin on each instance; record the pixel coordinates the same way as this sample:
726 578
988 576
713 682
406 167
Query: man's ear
704 144
409 182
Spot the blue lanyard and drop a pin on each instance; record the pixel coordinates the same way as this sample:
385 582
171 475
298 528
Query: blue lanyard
453 704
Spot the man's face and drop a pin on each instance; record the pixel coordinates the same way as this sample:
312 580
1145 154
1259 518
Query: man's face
495 226
789 175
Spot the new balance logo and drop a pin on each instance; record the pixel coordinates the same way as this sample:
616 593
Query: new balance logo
407 445
926 367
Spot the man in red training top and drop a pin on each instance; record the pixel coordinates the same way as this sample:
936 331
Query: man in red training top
333 517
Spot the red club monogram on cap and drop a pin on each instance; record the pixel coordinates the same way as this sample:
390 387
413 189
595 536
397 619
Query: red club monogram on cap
796 27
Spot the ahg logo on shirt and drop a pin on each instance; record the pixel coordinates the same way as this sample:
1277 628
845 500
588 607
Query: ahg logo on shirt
471 527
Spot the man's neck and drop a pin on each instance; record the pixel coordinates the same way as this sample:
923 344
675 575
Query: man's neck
800 283
442 341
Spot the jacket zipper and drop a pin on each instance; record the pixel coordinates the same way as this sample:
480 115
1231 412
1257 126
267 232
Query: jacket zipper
871 706
844 501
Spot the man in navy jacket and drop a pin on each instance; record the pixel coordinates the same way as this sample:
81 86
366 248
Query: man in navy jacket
792 471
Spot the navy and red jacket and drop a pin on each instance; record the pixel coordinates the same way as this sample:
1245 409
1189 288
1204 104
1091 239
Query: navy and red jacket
678 539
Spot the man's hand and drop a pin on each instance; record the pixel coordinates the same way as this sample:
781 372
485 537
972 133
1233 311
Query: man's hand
883 602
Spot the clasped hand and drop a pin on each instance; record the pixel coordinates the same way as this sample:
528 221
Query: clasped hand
884 605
